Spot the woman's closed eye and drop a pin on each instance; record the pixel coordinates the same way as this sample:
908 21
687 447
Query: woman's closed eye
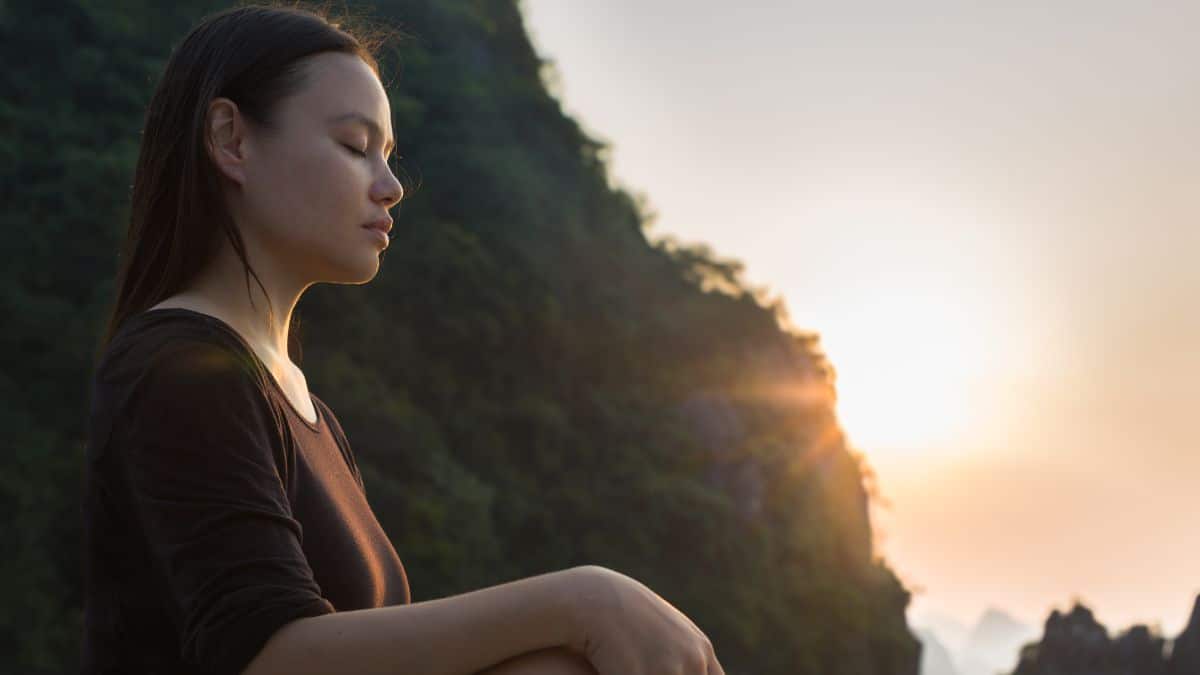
363 153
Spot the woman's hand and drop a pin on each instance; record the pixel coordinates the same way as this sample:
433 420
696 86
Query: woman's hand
624 628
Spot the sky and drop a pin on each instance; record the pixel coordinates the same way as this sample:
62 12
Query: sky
989 212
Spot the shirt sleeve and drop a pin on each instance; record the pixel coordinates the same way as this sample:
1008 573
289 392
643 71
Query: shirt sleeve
202 457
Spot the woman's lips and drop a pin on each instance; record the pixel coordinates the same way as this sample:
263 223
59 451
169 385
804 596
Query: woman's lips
383 224
378 234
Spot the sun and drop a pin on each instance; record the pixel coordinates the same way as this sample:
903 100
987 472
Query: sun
905 363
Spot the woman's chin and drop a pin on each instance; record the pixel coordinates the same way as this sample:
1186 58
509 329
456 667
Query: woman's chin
354 272
366 274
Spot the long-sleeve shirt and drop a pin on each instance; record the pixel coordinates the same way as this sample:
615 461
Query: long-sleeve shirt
214 512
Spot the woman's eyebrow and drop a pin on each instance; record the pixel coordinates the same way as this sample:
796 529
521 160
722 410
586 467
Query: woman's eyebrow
365 121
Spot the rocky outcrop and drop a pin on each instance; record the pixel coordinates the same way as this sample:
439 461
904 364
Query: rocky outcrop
1185 649
1075 643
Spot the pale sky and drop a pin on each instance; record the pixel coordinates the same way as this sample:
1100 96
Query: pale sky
989 211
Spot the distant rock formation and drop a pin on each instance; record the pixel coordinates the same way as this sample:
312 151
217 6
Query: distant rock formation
988 647
950 632
993 644
1185 649
935 658
1076 644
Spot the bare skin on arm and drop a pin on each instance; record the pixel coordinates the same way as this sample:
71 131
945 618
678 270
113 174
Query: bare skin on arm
554 661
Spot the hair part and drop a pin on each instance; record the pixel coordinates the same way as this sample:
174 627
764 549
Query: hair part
255 56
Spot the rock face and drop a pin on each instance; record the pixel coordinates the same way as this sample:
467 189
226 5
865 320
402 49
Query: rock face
1076 644
1185 651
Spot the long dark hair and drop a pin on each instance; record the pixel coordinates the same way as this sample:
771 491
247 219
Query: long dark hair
249 54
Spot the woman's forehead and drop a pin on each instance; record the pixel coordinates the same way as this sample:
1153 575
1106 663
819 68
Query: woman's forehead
340 83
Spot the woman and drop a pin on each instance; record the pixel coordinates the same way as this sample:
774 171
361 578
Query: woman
226 524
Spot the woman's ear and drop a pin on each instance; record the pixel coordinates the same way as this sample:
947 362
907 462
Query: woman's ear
225 136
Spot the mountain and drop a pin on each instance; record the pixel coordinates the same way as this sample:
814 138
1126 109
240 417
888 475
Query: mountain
993 644
1185 648
949 631
531 382
1075 643
987 647
935 658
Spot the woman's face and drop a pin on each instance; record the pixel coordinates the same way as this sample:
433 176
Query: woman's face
312 182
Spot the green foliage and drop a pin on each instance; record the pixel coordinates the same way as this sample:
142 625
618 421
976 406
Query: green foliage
529 383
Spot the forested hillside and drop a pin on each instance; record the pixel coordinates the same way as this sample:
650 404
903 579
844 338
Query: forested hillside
531 382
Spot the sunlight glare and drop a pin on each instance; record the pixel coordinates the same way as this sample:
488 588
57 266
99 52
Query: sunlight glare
905 363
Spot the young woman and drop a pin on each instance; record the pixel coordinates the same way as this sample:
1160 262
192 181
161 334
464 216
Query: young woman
226 523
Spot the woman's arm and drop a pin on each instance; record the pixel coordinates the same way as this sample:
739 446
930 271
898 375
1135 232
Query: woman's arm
456 635
556 661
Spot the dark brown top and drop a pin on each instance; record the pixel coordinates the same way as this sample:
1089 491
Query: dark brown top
213 512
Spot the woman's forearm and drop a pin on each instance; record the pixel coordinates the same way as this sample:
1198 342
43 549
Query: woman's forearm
555 661
457 635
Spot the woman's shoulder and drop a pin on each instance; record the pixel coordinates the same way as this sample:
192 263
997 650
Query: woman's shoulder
170 338
172 355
